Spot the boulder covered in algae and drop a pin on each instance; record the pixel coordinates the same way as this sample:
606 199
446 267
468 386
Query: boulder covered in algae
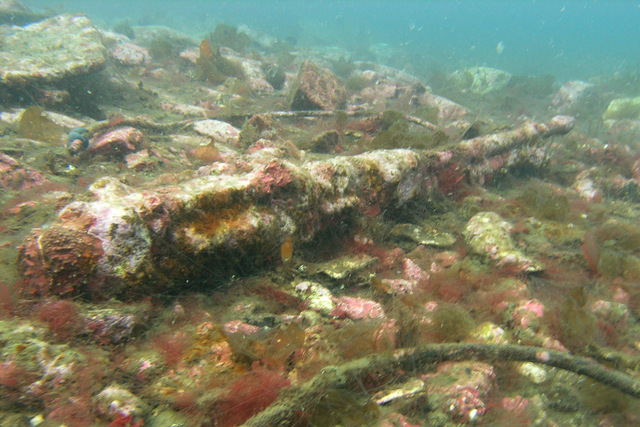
487 234
623 108
481 80
49 51
30 364
317 88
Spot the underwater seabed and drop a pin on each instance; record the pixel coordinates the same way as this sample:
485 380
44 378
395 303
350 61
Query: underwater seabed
239 231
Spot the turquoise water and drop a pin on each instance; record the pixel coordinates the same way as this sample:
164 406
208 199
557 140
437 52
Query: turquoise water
569 39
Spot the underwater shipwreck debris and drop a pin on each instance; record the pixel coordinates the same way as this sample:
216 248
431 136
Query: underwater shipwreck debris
215 215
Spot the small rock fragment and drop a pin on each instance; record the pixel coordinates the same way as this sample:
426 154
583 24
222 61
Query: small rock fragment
481 80
129 54
115 324
536 373
325 142
140 160
408 390
117 142
357 308
459 389
15 176
345 267
120 404
275 75
487 235
427 236
217 130
319 298
317 88
570 94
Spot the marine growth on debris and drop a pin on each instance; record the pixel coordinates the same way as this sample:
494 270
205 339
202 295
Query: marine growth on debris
236 230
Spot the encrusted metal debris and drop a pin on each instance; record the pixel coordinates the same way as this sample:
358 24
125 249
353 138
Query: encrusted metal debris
422 235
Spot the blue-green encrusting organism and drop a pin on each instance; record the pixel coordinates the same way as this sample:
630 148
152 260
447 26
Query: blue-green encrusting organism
77 140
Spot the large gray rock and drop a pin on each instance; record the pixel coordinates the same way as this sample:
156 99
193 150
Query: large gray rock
49 51
12 12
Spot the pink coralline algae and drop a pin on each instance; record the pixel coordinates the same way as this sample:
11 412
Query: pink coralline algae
59 260
238 326
117 142
357 309
17 177
412 271
141 160
273 176
516 405
379 92
400 286
155 213
115 325
527 312
91 242
261 144
121 406
466 405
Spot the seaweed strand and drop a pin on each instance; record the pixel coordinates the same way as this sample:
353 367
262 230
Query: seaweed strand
292 400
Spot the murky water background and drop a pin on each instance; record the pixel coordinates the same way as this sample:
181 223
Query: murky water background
569 39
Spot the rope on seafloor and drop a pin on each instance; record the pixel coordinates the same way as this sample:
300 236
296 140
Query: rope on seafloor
146 123
291 401
330 113
138 122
